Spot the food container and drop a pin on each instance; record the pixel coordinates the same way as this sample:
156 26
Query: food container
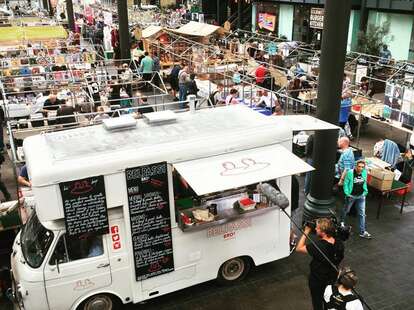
246 204
203 215
212 208
188 221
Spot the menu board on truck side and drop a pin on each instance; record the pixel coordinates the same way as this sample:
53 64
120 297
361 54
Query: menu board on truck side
84 206
149 211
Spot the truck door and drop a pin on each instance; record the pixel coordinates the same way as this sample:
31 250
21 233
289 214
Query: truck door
77 266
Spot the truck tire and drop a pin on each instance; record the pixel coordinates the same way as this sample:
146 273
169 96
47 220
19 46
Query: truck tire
100 302
234 270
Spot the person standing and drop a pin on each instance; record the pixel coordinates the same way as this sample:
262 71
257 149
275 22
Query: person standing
192 88
355 190
183 79
175 71
260 74
346 105
385 55
294 89
322 273
340 296
115 43
156 69
346 160
147 64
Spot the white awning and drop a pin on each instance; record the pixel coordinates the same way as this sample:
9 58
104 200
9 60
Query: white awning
232 170
305 122
196 29
150 31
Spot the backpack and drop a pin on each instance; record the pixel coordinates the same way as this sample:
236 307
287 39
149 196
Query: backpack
211 99
339 301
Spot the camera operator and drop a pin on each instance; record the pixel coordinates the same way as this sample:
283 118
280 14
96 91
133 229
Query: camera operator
340 296
322 273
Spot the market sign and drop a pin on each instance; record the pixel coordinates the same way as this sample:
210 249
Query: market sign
316 18
267 21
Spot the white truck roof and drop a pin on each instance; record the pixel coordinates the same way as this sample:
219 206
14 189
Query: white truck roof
72 154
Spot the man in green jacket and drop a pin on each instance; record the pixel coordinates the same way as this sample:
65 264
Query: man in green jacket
355 190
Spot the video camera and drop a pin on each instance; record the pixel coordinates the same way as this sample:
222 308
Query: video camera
342 232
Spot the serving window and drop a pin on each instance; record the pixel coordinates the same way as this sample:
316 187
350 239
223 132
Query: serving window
211 191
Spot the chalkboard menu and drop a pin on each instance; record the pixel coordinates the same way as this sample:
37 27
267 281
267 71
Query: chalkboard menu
149 211
84 205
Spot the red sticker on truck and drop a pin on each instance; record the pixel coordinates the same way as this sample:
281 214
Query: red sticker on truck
116 237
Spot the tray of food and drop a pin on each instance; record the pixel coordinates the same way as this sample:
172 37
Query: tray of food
203 215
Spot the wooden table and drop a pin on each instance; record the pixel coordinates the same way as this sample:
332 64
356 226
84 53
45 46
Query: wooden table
396 186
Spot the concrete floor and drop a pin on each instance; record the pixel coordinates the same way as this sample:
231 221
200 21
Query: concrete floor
384 264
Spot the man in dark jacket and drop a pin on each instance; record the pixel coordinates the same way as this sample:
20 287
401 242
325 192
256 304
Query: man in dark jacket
174 79
322 272
192 88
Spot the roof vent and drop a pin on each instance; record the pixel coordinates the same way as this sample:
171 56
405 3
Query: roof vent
120 123
162 117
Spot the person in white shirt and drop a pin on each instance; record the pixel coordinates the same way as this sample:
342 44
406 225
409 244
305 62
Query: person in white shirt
101 115
267 100
219 96
232 97
340 296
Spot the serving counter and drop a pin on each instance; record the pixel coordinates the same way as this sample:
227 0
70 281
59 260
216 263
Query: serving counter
220 211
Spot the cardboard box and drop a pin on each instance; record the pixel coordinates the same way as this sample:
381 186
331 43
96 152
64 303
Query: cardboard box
382 174
381 185
381 178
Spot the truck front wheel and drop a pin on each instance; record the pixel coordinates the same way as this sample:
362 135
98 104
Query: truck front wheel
234 270
100 302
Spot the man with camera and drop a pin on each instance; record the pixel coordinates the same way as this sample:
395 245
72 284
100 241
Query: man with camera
326 251
340 296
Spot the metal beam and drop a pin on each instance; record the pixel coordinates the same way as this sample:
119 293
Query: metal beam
69 13
239 14
124 29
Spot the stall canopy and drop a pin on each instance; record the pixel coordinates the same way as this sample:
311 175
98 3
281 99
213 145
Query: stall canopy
196 29
304 122
233 170
151 31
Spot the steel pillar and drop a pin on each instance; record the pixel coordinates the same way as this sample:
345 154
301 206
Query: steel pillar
123 29
335 34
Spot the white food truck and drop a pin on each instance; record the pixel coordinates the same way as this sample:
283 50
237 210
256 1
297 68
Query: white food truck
123 216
